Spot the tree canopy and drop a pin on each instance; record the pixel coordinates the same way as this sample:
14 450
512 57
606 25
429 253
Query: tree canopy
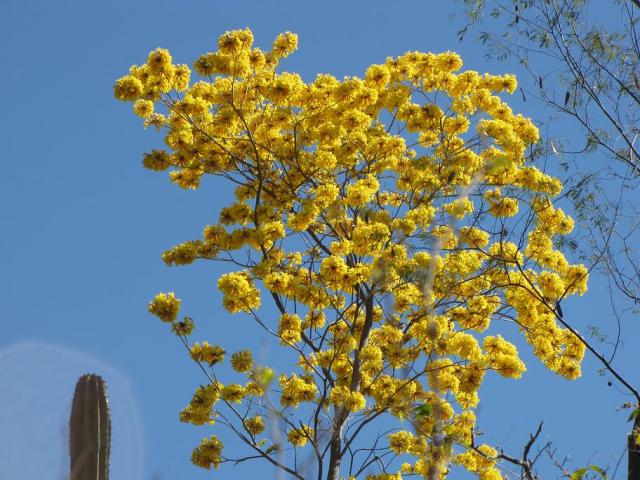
395 223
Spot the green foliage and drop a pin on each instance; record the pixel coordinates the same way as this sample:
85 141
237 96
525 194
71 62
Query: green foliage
581 472
424 410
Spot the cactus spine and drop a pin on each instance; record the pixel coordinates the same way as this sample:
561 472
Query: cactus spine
90 430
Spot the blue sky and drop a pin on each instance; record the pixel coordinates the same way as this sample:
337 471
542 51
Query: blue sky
83 225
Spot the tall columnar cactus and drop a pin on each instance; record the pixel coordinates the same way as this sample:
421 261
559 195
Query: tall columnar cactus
90 430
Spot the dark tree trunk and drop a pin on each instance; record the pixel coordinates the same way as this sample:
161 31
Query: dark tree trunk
335 453
634 459
341 414
634 451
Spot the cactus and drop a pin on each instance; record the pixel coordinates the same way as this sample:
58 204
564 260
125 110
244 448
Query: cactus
90 430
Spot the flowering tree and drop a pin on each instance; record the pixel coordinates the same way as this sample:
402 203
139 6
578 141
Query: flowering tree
390 219
583 70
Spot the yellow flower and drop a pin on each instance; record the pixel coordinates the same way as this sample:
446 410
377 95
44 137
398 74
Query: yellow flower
401 442
314 319
369 239
361 192
165 306
143 108
208 454
181 76
344 397
242 361
459 208
204 352
200 408
296 390
159 61
378 76
474 236
156 160
290 328
127 88
504 207
299 436
278 282
182 254
285 44
234 41
333 270
255 425
240 294
233 393
551 285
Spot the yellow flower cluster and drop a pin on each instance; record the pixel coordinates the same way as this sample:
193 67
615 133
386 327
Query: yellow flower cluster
500 206
403 442
290 328
239 292
242 361
342 396
184 327
384 476
296 390
503 357
361 191
255 425
481 462
299 436
165 306
386 250
199 411
204 352
208 454
233 393
182 254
